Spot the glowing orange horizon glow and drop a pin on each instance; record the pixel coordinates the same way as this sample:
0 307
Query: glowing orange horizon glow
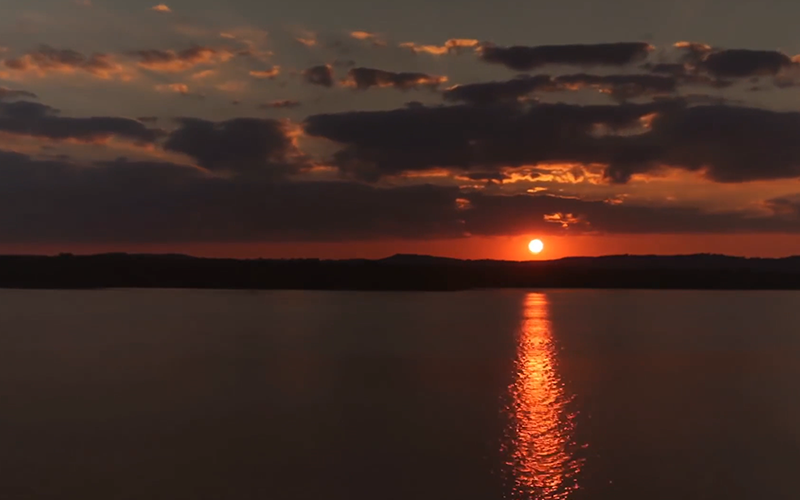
539 440
474 247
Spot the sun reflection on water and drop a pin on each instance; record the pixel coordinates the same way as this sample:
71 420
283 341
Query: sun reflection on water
539 441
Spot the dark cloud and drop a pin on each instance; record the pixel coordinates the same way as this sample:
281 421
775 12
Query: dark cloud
741 63
732 144
727 143
14 94
148 119
523 58
620 87
319 75
470 138
141 202
496 92
241 145
280 104
364 78
39 120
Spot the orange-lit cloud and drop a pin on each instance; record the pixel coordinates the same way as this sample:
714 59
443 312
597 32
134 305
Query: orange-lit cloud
161 8
267 74
454 45
306 37
47 60
179 88
564 220
374 39
174 62
201 75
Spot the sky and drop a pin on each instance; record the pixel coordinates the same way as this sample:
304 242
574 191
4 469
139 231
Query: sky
367 128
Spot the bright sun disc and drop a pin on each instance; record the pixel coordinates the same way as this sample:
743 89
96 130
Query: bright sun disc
536 246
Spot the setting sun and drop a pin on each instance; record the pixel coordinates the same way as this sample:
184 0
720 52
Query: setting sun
536 246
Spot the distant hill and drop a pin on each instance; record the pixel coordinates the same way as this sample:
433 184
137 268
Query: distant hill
399 272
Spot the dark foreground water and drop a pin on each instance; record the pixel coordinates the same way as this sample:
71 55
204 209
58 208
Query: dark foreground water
485 395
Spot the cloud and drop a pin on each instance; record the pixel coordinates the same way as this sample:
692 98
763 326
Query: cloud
374 39
364 78
174 62
620 87
39 120
47 59
179 88
280 104
267 74
306 37
380 143
726 143
232 86
319 75
523 58
131 202
454 45
741 63
201 75
497 92
161 8
240 146
694 52
15 94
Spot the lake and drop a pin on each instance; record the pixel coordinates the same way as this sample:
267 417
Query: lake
180 394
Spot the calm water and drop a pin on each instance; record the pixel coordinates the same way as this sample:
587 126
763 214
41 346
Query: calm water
474 395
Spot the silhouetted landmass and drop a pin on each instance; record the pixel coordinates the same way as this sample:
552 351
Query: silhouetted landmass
400 272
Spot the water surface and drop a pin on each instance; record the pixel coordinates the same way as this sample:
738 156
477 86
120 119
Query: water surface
172 394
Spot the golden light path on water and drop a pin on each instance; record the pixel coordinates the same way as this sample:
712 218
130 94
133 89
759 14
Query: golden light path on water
539 441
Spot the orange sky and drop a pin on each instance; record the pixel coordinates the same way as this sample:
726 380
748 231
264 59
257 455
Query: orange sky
505 248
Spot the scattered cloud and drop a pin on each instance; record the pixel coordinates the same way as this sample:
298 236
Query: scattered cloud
202 75
179 88
161 8
306 37
524 58
267 74
280 104
454 45
172 61
364 78
372 38
319 75
47 60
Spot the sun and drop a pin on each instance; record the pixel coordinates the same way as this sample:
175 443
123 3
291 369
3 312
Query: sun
536 246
